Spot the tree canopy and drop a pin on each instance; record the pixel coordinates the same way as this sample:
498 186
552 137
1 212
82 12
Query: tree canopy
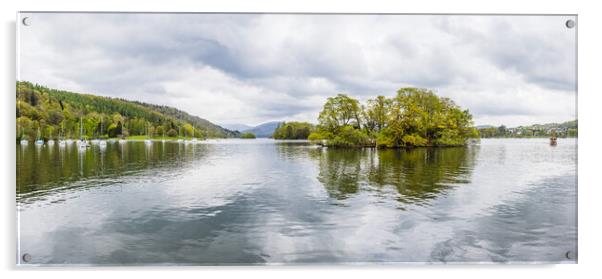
414 117
247 135
293 130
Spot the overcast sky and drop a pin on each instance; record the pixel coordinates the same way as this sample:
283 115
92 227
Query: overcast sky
250 69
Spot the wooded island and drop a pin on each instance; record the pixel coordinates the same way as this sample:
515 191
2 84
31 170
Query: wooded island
413 118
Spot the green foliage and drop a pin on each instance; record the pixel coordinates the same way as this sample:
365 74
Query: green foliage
376 114
338 112
51 114
172 133
319 136
247 136
414 117
349 136
293 130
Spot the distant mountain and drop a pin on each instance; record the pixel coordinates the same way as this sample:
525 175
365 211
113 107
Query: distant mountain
237 127
264 130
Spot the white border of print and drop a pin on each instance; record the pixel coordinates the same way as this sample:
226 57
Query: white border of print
589 135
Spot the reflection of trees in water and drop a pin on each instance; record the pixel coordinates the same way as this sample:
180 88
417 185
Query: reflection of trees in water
340 170
41 168
293 150
418 174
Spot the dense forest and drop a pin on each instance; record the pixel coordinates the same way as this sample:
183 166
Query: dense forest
247 135
293 130
414 117
44 113
565 129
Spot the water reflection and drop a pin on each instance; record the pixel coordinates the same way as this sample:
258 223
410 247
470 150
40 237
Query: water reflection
42 168
235 201
417 175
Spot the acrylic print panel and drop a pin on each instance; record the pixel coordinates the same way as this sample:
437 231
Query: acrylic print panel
212 139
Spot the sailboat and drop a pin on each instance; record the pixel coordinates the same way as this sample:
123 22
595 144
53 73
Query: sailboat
179 132
50 140
39 141
23 140
102 142
82 142
194 140
187 141
62 135
147 140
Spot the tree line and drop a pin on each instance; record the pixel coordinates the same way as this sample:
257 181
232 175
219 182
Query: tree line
565 129
293 130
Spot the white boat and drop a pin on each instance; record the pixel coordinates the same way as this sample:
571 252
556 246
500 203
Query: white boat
50 142
83 143
23 141
193 140
101 142
180 140
62 140
39 141
147 141
122 141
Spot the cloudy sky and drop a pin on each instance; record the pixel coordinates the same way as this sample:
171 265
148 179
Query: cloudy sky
254 68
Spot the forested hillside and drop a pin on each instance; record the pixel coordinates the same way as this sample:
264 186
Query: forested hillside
51 114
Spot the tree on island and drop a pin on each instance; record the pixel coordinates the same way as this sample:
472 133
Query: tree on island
293 130
414 117
247 135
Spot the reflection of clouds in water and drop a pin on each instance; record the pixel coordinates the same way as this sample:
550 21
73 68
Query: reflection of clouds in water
254 203
515 231
493 183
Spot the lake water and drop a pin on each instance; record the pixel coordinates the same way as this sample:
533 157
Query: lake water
265 201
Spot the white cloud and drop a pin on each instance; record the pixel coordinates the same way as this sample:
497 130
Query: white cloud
249 68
